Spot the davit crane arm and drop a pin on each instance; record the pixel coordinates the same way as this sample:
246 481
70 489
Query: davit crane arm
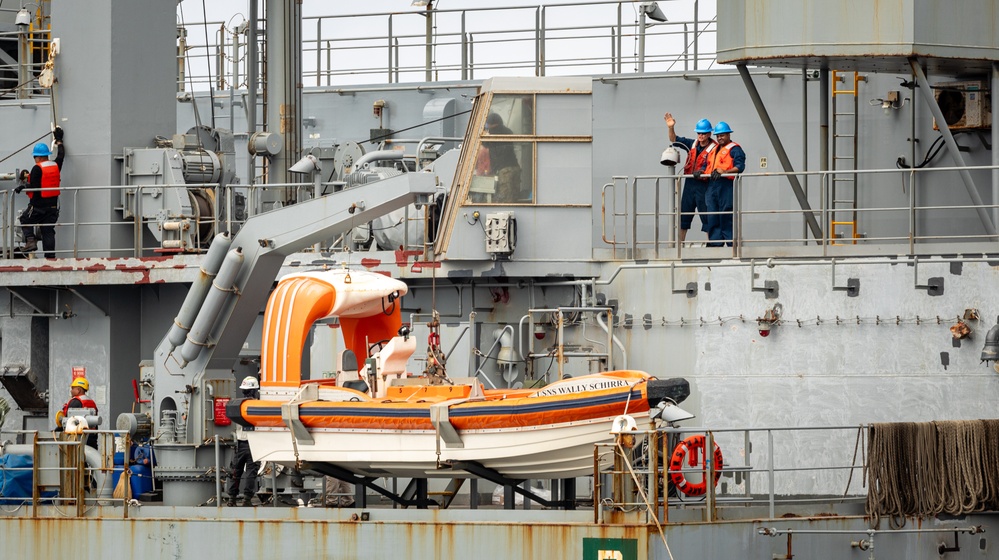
235 280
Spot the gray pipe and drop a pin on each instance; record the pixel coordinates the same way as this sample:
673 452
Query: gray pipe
199 289
952 147
283 87
378 155
995 151
617 342
252 58
96 464
213 304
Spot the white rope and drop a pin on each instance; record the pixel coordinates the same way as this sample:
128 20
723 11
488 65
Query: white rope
653 511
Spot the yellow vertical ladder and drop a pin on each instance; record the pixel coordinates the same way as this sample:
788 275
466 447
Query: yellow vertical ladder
843 187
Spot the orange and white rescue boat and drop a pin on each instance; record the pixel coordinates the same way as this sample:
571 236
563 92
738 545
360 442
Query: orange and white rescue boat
414 426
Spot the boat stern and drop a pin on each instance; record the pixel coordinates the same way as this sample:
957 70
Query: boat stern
674 389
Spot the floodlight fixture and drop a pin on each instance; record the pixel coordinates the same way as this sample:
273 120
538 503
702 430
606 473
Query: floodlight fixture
652 11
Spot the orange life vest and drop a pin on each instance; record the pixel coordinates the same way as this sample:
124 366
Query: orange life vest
701 160
722 159
85 402
50 180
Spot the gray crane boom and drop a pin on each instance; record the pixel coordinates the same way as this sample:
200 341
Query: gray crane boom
264 242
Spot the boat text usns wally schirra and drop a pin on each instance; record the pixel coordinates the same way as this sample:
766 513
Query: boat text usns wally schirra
452 246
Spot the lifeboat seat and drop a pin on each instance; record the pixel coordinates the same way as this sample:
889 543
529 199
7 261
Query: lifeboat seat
392 358
356 384
348 374
390 362
348 361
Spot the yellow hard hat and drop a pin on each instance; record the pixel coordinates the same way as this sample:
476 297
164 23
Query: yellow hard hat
81 382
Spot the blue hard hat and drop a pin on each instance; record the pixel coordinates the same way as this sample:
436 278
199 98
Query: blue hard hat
722 128
41 150
703 126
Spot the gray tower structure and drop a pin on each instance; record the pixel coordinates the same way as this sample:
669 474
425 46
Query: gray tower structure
115 88
116 83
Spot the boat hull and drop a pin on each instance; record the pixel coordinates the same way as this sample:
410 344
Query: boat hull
547 451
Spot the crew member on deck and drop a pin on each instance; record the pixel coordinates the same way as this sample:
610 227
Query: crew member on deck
727 161
242 461
79 399
43 196
696 187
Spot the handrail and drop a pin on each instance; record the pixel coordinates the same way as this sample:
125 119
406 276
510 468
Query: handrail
639 218
749 454
392 46
628 232
74 197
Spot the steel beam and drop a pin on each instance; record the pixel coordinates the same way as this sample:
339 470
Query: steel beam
349 477
509 483
785 162
266 239
955 152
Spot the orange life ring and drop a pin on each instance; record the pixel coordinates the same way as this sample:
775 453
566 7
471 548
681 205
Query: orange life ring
692 448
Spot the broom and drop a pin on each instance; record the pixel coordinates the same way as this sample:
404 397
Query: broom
120 488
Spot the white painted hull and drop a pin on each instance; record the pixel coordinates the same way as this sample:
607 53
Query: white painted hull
548 451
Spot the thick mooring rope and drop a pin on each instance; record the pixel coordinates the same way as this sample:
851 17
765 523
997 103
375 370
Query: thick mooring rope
927 468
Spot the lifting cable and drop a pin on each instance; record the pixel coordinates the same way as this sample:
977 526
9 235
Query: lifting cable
17 151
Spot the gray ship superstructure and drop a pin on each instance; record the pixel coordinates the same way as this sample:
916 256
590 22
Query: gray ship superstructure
852 315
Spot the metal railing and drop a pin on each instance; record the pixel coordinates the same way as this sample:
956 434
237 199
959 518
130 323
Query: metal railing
19 78
464 44
610 37
74 199
640 215
642 476
66 473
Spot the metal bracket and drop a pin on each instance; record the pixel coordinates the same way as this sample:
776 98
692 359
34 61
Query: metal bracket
943 548
852 287
23 299
289 413
933 287
445 430
770 287
92 304
690 289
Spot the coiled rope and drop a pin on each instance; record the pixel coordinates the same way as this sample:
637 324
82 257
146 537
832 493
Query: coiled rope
927 468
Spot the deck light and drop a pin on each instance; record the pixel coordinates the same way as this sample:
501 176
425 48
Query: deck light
990 352
23 18
770 319
652 11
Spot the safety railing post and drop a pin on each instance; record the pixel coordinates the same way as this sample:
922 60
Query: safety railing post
464 48
392 62
770 472
35 476
697 34
137 232
737 240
